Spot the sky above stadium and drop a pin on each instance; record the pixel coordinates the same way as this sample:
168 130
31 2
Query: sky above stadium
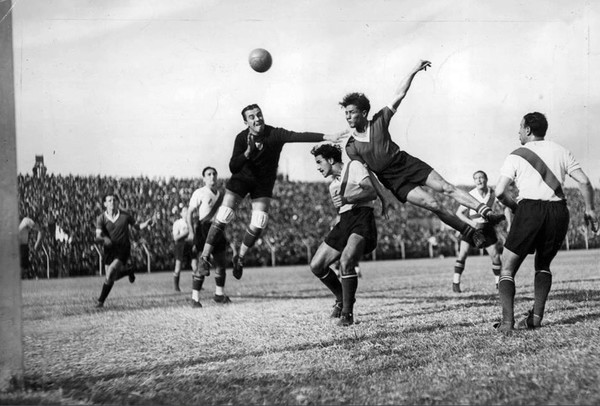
155 88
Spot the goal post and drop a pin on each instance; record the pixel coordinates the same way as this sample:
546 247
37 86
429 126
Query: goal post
11 317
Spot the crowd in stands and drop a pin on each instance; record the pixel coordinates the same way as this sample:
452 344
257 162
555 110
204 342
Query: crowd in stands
300 217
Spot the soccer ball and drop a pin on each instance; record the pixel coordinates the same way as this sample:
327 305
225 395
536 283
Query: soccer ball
260 60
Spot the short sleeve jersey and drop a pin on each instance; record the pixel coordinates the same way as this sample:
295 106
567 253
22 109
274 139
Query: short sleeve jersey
117 227
356 174
528 180
378 151
488 199
180 228
204 200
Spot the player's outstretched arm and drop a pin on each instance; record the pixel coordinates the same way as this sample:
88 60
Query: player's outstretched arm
407 81
503 194
586 189
336 137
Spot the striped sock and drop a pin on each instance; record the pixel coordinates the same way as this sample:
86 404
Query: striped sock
484 210
459 267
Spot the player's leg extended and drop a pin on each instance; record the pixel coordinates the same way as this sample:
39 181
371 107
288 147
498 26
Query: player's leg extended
459 265
351 254
420 197
112 274
439 184
220 259
225 214
496 261
258 222
506 288
176 273
319 266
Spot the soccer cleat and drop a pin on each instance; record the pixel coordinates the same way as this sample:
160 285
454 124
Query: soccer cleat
204 269
99 304
196 304
346 319
456 288
494 219
131 277
238 267
527 322
505 327
337 310
223 299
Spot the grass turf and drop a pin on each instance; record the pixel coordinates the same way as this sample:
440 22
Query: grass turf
415 342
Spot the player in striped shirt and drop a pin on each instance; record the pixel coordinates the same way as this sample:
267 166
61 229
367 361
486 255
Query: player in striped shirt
541 216
484 194
401 173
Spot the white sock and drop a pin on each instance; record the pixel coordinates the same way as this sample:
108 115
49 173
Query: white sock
196 295
219 290
456 278
497 278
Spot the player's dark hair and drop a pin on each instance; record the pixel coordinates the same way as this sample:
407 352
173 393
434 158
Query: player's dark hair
357 99
109 193
328 151
481 172
249 107
207 169
537 123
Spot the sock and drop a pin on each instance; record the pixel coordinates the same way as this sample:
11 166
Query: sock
496 268
250 238
220 277
106 287
333 283
506 290
349 285
459 267
216 231
219 291
541 286
176 281
484 210
196 287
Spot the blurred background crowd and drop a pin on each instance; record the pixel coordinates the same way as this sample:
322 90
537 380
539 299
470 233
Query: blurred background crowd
66 208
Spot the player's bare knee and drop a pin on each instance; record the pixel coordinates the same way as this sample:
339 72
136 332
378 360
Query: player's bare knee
317 267
448 188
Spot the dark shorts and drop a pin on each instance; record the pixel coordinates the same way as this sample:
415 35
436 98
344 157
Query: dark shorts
489 231
200 234
120 252
359 221
404 174
24 251
538 226
183 250
242 185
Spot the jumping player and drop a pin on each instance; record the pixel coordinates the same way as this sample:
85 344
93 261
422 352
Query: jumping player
112 230
483 194
206 201
353 236
541 215
253 167
180 233
401 173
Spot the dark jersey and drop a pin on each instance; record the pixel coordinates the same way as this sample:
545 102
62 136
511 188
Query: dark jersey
263 163
117 230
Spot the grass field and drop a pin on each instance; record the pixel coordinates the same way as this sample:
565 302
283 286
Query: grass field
415 342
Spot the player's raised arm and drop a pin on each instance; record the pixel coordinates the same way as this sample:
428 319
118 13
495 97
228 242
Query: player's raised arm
406 82
587 191
242 151
503 194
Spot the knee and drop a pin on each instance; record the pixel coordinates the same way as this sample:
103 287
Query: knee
225 215
220 272
448 188
259 220
318 268
347 266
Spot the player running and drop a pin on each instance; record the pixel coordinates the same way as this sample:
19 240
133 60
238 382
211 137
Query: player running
253 167
541 216
353 236
206 200
180 234
484 194
112 230
400 172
